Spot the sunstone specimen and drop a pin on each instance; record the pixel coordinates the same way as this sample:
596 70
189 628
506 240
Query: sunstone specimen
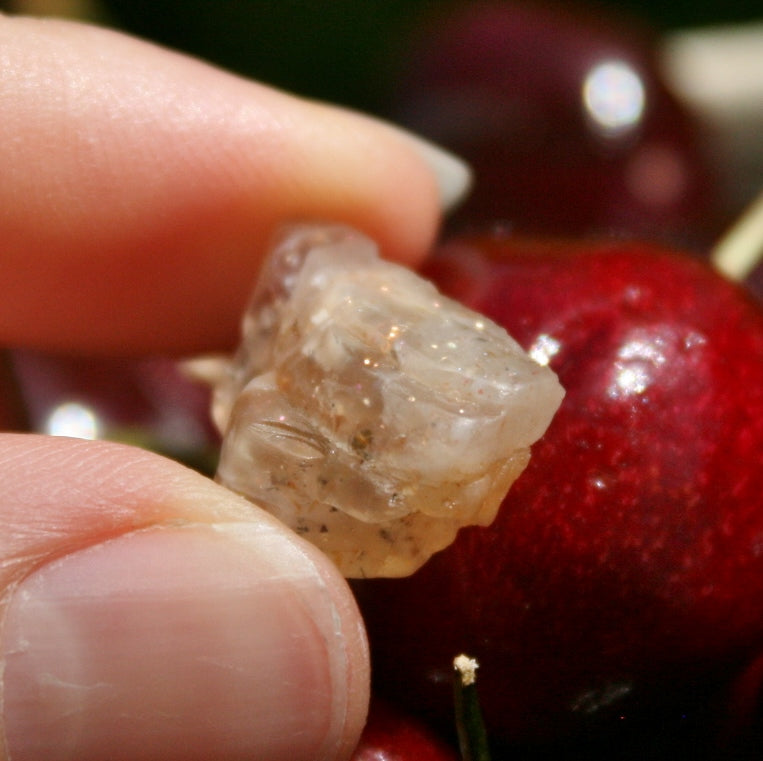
369 412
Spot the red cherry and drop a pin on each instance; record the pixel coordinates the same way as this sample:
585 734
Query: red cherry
625 568
12 412
145 401
741 718
392 735
563 115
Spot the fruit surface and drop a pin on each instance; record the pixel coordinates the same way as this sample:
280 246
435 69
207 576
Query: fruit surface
563 115
624 573
392 735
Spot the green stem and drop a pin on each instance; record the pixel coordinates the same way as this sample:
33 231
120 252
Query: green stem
472 736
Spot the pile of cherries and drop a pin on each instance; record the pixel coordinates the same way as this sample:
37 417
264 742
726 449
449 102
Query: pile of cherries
616 604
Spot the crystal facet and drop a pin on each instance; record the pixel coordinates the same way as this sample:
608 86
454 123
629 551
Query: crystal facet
367 411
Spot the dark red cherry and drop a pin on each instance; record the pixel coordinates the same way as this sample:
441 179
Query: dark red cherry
394 735
564 117
622 581
145 401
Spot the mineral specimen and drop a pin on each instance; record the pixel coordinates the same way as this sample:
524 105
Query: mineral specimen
367 411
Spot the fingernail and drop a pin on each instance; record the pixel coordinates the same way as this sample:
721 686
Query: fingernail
187 642
452 174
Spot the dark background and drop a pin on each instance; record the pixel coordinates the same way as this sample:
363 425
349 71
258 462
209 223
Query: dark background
346 51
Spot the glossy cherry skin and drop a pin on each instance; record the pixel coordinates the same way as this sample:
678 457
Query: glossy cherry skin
563 115
394 735
624 573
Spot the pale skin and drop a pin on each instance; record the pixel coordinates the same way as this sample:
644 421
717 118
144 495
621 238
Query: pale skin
147 612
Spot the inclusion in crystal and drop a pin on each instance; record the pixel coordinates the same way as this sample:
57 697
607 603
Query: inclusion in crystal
369 412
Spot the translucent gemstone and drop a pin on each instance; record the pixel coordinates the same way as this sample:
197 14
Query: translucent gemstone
367 411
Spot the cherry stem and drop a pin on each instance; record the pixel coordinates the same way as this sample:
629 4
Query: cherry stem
740 250
472 736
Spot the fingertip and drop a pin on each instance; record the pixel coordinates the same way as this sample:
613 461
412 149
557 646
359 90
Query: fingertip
165 181
351 718
148 604
453 176
190 642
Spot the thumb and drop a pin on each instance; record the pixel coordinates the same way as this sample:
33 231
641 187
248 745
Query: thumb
150 614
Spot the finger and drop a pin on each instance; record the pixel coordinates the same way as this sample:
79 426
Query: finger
141 187
149 613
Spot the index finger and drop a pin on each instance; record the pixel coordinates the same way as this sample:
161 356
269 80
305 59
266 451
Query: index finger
141 187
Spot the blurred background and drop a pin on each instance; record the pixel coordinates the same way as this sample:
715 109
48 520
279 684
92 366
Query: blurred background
368 55
346 51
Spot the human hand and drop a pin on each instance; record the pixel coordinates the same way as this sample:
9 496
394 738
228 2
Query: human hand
147 612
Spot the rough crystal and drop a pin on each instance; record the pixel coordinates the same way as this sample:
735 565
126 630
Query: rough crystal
367 411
